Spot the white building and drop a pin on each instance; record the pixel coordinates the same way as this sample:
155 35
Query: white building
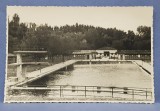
107 52
104 52
112 53
84 54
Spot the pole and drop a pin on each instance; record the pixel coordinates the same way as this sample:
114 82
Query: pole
19 67
133 94
112 91
60 91
146 93
85 91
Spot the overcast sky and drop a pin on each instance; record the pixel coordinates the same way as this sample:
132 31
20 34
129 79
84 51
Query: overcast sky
123 18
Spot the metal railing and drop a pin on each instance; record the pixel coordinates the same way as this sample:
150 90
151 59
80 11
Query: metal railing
65 91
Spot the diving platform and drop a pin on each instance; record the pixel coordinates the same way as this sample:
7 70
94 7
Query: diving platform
27 63
30 52
44 72
19 62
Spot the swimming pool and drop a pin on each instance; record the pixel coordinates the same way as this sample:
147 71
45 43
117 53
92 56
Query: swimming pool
103 77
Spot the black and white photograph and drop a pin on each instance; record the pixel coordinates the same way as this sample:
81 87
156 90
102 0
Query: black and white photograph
79 54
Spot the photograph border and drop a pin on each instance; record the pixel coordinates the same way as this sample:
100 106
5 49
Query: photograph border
86 101
82 106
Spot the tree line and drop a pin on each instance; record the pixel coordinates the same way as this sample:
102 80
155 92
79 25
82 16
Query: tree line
60 40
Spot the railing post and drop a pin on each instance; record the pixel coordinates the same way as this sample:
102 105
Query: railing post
93 89
133 94
112 91
60 91
85 91
146 93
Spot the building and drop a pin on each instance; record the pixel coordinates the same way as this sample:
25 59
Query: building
107 52
104 52
84 54
134 54
112 53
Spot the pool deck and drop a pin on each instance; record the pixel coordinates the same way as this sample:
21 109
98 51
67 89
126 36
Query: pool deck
144 65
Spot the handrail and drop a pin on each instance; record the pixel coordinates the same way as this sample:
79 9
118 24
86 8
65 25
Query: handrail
144 93
128 88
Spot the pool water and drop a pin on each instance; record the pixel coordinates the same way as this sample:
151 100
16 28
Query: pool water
117 75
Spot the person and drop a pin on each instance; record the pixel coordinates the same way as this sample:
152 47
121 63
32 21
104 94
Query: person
39 67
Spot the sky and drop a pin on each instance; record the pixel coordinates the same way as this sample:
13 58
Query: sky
122 18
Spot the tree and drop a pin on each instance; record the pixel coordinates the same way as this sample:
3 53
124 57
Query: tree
91 36
16 32
16 29
144 32
118 44
63 39
43 33
128 40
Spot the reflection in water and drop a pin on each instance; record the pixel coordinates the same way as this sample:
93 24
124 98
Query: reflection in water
42 82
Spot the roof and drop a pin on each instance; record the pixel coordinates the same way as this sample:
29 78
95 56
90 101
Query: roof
106 48
134 52
84 51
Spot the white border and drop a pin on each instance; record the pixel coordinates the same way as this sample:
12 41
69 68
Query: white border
6 70
75 101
